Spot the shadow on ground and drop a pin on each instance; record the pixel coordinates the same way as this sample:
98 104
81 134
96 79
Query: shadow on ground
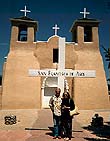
50 132
102 132
92 139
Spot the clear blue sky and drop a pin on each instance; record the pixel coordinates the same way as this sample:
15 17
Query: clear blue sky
51 12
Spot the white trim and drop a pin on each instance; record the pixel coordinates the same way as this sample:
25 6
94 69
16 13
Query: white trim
62 73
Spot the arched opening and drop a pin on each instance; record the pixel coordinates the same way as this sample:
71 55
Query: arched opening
22 36
48 89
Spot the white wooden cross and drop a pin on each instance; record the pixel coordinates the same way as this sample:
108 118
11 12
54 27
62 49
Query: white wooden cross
25 11
85 12
55 28
61 72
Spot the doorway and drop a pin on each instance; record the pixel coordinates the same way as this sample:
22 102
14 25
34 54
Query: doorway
48 89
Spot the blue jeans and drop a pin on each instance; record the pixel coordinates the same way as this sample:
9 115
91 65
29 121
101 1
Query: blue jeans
57 125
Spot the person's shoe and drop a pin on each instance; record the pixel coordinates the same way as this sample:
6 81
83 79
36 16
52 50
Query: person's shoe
54 137
67 139
59 137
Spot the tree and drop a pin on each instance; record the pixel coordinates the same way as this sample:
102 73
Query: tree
108 86
0 80
107 55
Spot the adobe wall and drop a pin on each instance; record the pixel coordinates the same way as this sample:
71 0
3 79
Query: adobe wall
91 93
19 90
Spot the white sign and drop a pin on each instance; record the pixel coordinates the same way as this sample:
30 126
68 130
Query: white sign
63 73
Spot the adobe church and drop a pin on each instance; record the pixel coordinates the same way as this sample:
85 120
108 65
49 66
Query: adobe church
22 91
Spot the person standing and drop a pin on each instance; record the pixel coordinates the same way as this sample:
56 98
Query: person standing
55 106
66 106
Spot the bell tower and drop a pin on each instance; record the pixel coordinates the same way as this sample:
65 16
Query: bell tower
23 30
19 60
85 30
86 46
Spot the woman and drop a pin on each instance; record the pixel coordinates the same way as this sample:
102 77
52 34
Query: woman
66 106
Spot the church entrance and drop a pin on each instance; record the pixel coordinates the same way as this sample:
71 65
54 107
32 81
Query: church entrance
48 89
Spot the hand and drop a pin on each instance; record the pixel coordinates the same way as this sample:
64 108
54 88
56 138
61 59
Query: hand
65 107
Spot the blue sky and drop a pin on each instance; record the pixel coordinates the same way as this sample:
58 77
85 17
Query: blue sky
51 12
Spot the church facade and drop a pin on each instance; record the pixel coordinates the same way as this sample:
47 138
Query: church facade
21 91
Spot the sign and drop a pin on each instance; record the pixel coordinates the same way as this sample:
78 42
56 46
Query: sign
62 73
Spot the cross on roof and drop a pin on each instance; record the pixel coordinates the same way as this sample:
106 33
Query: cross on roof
85 13
55 28
25 11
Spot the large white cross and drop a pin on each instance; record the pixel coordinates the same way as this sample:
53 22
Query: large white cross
55 28
25 11
61 62
61 72
85 12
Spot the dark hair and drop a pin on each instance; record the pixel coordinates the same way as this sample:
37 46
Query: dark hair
67 93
